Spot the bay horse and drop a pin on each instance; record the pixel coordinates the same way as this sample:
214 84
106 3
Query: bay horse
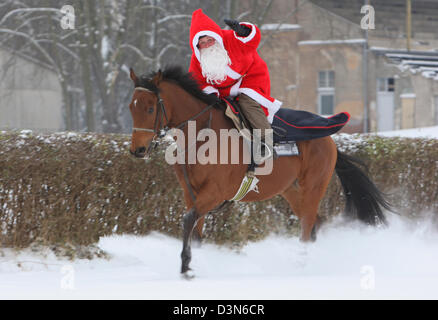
170 98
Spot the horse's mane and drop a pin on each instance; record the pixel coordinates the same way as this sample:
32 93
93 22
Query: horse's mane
184 79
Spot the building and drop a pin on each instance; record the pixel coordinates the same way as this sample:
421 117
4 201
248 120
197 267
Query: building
30 95
322 61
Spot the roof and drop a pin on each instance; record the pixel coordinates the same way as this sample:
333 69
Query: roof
424 62
390 16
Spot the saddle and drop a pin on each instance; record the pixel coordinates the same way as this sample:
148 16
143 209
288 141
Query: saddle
290 125
285 147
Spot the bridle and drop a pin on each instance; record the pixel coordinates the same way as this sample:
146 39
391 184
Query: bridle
160 128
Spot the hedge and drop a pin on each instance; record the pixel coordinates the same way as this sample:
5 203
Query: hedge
70 189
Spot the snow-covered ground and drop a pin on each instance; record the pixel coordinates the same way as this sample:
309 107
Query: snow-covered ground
347 261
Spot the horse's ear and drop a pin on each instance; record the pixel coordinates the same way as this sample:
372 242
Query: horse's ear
133 76
157 78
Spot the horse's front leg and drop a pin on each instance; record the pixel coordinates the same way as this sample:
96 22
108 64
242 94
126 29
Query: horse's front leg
189 222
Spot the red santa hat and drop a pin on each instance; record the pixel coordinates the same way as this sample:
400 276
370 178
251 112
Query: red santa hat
202 25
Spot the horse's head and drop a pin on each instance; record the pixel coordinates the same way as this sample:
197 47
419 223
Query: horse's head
144 107
152 118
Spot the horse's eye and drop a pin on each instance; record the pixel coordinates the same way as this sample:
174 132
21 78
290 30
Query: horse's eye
151 110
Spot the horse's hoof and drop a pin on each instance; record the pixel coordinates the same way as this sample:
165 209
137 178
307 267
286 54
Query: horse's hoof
188 275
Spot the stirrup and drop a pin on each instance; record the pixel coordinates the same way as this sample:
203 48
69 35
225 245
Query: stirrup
268 150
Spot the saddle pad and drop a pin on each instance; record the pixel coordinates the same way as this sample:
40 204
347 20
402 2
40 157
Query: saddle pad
298 125
286 149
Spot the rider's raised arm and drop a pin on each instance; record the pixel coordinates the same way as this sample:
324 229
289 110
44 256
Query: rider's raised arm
196 72
252 40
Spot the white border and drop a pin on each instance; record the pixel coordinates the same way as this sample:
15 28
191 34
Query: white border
234 91
210 89
233 74
250 36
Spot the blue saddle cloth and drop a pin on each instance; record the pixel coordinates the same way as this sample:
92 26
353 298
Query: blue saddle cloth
298 125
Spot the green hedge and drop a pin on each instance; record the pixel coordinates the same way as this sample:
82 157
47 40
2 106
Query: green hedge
71 189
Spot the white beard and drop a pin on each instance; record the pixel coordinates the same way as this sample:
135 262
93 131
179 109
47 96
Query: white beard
214 61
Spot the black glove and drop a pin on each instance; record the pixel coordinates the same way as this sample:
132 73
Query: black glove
240 29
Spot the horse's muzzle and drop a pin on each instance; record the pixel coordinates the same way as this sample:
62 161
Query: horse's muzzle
139 152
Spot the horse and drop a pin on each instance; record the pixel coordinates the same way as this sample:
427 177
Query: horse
171 98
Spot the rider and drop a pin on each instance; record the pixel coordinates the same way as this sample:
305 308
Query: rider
226 62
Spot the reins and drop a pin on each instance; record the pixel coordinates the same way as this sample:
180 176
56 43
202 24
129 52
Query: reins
158 131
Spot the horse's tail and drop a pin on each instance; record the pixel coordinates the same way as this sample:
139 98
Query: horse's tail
364 201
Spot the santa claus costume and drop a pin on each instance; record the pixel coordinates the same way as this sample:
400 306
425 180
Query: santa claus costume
246 73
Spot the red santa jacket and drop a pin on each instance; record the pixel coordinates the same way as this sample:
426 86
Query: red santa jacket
247 73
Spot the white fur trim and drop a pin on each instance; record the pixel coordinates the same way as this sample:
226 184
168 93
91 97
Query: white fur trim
210 89
233 74
195 40
272 107
250 36
234 91
272 113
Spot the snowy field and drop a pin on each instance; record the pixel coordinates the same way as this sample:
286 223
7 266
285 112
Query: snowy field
347 262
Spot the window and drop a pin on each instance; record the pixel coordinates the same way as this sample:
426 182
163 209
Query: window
385 84
326 104
326 79
326 92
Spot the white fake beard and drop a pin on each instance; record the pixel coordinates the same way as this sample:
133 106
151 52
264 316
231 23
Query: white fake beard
214 61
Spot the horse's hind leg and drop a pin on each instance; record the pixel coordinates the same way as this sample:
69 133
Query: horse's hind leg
309 218
305 207
304 199
305 195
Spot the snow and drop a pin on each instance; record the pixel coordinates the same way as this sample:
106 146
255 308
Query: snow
408 95
425 132
347 261
105 47
412 56
426 64
173 17
319 42
420 62
280 26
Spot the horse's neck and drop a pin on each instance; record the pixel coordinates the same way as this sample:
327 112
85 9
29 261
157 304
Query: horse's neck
184 107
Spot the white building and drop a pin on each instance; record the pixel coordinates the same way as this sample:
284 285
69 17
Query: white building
30 95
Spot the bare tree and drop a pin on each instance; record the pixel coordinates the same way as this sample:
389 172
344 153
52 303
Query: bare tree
92 61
